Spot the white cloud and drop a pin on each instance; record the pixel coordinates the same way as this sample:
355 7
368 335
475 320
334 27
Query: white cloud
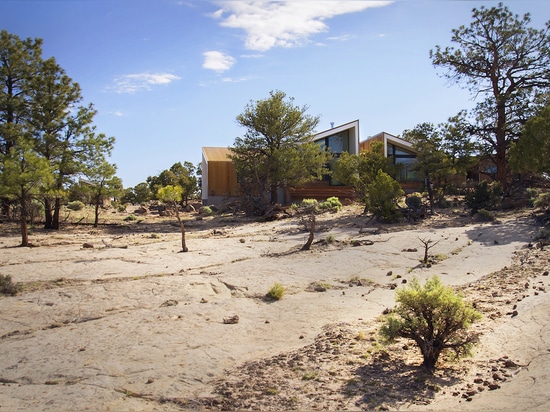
133 83
284 23
217 61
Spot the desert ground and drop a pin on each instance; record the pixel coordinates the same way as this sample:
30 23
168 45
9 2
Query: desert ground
116 318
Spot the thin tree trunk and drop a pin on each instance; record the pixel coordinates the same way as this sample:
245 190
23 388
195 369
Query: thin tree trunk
96 220
307 246
182 227
48 215
24 226
56 213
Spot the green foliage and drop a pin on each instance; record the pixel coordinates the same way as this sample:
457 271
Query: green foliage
205 210
532 151
139 194
309 202
414 201
382 197
7 287
332 204
486 215
433 316
76 205
276 150
130 218
542 200
170 194
484 196
431 161
182 175
276 292
360 170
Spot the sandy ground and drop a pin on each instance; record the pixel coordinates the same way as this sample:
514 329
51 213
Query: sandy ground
132 324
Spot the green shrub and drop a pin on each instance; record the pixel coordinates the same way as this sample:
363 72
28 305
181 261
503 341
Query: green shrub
205 210
76 205
332 203
434 317
7 287
276 292
486 215
484 196
414 201
542 200
309 202
130 218
382 197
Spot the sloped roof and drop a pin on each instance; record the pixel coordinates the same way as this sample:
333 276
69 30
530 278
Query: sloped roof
216 154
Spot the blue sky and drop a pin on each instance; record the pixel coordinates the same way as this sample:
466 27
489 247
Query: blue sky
170 76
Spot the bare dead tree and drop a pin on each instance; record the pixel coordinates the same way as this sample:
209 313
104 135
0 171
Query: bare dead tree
428 244
307 245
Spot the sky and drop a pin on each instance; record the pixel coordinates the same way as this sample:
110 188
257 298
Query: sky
168 77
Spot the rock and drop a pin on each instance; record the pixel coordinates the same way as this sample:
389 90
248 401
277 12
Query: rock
141 210
242 240
88 246
389 273
170 302
231 320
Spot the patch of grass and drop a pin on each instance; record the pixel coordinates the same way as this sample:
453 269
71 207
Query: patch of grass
272 391
310 375
7 287
330 239
276 292
130 218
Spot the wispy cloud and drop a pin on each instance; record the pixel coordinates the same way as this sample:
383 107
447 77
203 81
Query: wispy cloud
284 23
134 83
217 61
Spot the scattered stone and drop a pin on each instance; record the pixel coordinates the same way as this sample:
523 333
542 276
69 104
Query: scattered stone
404 281
545 273
389 273
514 313
392 286
411 249
203 300
231 320
242 240
170 302
88 246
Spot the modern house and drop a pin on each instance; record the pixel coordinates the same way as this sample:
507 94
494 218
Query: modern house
402 153
219 179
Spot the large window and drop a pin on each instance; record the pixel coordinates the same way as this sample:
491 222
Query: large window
406 160
336 143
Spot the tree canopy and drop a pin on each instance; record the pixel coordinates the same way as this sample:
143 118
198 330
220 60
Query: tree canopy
277 150
41 122
532 151
505 64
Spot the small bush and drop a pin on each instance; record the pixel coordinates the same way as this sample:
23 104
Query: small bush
484 196
7 287
433 316
542 200
382 197
76 205
276 292
414 201
205 210
332 203
130 218
486 215
309 202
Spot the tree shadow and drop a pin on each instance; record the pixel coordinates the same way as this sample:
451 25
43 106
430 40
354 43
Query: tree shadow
389 382
499 234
